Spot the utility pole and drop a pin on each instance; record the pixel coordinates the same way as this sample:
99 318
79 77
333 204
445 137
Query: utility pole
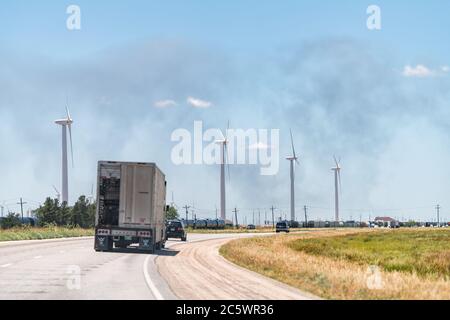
306 216
259 217
265 217
273 217
21 207
254 218
236 217
438 208
216 213
186 207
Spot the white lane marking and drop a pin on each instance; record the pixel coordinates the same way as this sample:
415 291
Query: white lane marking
38 257
150 284
6 265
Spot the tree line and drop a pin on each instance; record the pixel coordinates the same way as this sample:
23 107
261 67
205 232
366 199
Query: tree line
52 212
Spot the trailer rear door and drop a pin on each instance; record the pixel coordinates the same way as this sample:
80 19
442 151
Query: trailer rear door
136 195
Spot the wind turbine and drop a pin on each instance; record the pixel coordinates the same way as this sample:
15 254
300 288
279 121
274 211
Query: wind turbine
292 159
223 157
58 194
65 123
91 198
337 186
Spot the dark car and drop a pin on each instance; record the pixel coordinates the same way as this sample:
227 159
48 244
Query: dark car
282 227
175 229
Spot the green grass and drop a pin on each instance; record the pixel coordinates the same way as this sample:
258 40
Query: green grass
426 253
26 233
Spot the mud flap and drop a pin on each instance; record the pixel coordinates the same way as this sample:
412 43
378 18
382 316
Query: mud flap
103 243
146 244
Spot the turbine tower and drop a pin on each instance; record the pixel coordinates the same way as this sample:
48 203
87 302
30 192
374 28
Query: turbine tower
292 159
223 160
65 123
337 186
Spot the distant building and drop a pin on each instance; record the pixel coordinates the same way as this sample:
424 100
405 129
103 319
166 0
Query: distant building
387 222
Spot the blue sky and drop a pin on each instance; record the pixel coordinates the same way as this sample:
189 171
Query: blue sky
379 99
415 30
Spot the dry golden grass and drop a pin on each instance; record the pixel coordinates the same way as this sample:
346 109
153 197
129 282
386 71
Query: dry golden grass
328 277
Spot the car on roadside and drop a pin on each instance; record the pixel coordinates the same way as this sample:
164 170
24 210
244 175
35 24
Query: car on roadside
175 229
282 226
251 227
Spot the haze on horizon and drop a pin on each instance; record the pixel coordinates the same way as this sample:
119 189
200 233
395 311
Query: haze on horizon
378 99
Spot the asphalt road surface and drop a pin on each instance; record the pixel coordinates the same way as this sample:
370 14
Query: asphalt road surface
71 269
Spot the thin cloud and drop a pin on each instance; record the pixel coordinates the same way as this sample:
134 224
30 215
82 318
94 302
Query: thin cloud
197 103
162 104
419 71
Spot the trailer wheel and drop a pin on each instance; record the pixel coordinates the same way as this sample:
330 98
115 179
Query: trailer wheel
184 239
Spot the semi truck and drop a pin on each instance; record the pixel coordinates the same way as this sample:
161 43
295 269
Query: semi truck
131 205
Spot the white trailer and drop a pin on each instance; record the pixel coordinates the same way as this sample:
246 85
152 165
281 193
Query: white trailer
131 205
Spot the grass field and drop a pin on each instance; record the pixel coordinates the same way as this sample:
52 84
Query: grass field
422 252
353 264
43 233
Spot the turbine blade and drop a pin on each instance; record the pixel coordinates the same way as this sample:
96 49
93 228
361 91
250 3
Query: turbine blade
68 113
226 132
339 180
71 144
228 164
292 143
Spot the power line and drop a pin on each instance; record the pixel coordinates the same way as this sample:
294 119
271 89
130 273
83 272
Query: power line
438 208
187 212
273 216
21 206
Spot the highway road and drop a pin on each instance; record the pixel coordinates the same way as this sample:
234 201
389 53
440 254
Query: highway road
71 269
